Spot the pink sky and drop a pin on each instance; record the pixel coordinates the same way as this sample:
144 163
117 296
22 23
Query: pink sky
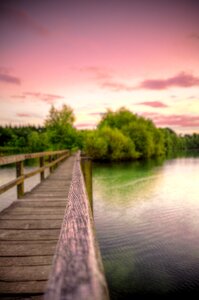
94 55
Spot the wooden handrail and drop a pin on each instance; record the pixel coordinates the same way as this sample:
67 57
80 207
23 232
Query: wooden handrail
77 272
19 159
5 160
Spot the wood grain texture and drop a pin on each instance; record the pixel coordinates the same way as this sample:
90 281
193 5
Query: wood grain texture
41 260
29 231
77 272
17 249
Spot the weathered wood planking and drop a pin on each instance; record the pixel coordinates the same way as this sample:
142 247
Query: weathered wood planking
77 272
25 261
30 224
29 230
33 248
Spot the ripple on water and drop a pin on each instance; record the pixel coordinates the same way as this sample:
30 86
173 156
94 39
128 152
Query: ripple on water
148 229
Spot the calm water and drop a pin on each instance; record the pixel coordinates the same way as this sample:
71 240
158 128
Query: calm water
147 220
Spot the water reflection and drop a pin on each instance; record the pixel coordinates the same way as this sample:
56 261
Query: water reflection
147 219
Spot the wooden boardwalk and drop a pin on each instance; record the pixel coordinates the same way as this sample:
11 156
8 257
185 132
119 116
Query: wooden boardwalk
29 231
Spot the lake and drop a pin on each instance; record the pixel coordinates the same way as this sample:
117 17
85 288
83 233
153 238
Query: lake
147 223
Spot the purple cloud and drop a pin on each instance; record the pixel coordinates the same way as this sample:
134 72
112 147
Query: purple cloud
194 36
153 104
18 96
7 78
21 19
117 86
98 73
180 80
49 98
28 115
173 120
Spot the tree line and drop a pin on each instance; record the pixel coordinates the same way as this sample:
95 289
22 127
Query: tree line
120 135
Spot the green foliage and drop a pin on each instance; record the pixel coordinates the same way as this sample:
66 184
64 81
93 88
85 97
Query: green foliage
95 145
191 141
143 137
60 132
120 135
109 143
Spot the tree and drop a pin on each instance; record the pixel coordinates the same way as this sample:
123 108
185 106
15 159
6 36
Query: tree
59 128
108 143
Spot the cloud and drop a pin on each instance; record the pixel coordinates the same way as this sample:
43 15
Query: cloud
98 73
182 79
85 125
7 78
194 36
21 19
153 104
105 78
173 120
19 96
49 98
117 86
28 115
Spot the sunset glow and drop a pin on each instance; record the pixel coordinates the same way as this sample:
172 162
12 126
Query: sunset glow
94 55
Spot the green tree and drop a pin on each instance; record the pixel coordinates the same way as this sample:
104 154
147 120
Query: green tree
59 128
108 143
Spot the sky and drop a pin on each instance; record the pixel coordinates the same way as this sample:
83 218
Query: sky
95 55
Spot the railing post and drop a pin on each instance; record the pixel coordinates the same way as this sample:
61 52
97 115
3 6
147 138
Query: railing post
41 164
19 173
50 160
56 156
86 164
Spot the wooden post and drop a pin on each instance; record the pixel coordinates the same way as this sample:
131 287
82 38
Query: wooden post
50 160
86 164
41 164
56 157
19 173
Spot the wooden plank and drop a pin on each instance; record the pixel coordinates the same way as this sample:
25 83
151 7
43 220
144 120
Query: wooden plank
24 273
27 287
55 216
29 235
38 203
23 297
30 224
12 261
35 199
13 248
49 196
33 210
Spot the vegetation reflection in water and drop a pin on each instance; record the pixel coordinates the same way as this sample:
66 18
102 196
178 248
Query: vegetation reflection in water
147 220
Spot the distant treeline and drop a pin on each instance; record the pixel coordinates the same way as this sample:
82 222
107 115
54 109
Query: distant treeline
120 135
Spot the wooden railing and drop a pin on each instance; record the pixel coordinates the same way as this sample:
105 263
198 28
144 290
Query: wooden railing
54 157
77 271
